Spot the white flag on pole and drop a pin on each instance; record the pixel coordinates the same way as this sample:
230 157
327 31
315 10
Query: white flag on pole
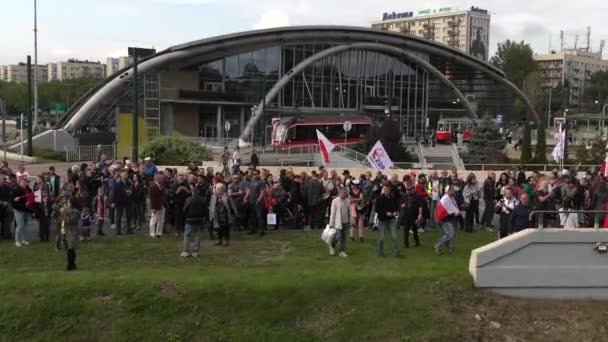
325 146
379 158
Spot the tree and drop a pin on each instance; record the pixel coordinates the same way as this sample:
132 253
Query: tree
487 144
533 89
596 90
540 155
526 147
169 150
390 136
516 60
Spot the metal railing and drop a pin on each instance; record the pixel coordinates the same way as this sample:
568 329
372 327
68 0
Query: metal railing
529 167
353 155
540 214
89 153
216 142
297 162
421 157
456 158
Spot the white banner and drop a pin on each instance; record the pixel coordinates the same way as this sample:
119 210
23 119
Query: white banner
379 158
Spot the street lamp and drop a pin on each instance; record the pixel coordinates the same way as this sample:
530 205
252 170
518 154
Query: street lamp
549 106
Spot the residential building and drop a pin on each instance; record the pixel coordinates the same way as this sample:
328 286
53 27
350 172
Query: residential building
571 67
18 73
73 69
113 65
467 30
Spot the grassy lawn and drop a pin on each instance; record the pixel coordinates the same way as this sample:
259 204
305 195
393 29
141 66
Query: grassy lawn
283 287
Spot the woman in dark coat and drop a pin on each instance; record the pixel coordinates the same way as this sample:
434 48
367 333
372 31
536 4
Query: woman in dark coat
70 221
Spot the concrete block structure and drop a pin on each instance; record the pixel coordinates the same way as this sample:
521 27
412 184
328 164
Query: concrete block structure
547 263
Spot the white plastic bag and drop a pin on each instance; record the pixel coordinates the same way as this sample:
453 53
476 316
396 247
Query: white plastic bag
271 219
329 234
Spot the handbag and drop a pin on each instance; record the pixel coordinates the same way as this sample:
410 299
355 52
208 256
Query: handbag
329 235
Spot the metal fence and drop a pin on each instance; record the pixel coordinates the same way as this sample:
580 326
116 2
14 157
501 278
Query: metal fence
89 153
539 215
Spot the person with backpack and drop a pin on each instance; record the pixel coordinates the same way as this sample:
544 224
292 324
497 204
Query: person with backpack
195 211
23 204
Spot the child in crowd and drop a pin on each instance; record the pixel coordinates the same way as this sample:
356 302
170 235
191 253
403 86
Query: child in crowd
100 204
85 222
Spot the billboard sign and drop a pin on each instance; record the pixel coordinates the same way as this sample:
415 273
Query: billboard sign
479 37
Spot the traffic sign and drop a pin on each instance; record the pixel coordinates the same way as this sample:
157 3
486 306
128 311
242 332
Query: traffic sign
347 126
227 126
57 108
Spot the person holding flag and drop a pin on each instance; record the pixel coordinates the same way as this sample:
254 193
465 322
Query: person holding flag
447 214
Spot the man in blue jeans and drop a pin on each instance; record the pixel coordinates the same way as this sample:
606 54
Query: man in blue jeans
255 197
448 224
387 209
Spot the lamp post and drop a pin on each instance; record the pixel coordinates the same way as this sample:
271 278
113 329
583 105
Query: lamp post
35 122
549 106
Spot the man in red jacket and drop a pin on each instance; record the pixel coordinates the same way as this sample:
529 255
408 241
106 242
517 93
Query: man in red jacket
157 207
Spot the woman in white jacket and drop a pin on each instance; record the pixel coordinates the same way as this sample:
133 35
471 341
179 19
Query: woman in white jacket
339 218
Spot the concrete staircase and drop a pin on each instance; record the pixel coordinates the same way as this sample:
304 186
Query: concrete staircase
440 157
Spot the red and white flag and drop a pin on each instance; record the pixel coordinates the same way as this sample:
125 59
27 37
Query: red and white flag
325 146
605 167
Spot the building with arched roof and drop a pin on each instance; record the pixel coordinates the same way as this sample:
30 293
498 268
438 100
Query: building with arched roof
195 88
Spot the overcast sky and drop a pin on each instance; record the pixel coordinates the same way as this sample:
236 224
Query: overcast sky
96 29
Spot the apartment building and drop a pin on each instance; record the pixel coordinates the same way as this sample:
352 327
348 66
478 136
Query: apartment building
572 66
18 73
113 65
74 68
467 30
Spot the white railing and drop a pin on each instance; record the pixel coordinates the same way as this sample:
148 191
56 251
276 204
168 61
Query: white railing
421 157
352 155
456 158
217 142
89 153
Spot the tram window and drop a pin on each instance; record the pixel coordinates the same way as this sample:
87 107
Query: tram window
440 127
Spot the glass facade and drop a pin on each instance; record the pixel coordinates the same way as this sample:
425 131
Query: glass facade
357 81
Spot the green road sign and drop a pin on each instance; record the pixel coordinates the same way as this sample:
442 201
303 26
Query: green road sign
57 108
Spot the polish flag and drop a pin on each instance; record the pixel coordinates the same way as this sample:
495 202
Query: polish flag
325 146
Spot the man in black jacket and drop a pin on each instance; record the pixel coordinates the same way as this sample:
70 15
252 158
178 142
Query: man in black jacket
121 198
387 210
520 216
313 196
489 196
194 210
6 210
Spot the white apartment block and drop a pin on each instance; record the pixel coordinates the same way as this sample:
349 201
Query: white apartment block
18 73
466 30
73 69
572 66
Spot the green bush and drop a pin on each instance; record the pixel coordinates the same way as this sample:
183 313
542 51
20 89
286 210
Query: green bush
49 155
175 151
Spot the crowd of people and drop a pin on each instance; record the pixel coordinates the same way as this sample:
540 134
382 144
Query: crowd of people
132 196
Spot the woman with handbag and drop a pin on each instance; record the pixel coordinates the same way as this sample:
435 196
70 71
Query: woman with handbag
358 208
339 219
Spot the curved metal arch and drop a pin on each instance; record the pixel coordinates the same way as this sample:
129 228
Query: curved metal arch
217 47
296 70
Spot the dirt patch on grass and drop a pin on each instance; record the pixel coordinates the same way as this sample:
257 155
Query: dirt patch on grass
105 300
484 316
273 251
167 288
